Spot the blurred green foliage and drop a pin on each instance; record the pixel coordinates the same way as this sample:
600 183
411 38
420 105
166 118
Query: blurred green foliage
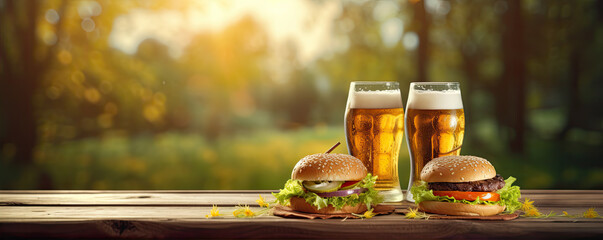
235 112
261 160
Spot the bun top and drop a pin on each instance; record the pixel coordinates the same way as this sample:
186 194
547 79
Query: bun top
457 169
329 166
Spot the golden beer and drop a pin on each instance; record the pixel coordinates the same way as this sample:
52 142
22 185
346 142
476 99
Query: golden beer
374 136
435 125
434 133
374 127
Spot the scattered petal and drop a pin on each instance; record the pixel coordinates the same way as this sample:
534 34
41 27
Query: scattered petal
532 212
527 205
214 212
590 213
246 212
369 214
415 214
243 212
262 202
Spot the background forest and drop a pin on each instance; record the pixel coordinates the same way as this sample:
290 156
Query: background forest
230 94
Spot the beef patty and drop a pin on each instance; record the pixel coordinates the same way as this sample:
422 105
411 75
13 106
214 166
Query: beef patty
488 185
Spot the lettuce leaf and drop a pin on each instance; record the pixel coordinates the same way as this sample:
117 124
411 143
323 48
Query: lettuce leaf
294 188
509 196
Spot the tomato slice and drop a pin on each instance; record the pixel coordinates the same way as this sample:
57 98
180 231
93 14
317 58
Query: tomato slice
469 196
347 184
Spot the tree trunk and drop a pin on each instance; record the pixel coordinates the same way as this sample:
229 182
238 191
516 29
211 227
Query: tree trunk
469 65
20 127
573 111
513 84
20 77
20 81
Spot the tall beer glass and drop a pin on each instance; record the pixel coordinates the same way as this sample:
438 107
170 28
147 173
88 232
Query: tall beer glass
374 123
435 124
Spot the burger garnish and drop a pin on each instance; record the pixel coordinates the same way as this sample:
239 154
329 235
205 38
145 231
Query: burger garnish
464 185
329 183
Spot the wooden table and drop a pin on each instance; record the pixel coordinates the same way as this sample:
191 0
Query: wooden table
181 214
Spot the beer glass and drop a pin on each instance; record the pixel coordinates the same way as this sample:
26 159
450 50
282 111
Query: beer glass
435 124
374 124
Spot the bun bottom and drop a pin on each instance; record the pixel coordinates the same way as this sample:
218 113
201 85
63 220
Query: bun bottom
460 209
300 204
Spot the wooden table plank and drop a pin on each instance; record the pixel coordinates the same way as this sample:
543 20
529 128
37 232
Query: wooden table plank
133 199
581 198
82 213
589 198
181 214
272 227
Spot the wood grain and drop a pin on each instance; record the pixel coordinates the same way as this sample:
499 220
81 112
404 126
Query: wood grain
181 214
132 199
54 214
294 228
582 198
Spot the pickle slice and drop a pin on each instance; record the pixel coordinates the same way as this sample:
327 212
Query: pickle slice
322 186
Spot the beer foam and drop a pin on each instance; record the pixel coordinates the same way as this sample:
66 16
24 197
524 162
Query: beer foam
375 99
425 99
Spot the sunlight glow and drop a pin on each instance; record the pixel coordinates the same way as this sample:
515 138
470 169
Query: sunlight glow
52 16
391 31
306 24
410 41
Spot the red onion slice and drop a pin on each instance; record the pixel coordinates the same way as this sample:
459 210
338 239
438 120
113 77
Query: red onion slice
342 193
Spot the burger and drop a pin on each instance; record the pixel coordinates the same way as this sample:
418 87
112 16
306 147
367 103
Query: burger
329 183
466 186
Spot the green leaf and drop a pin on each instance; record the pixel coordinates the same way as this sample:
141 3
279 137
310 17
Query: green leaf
294 188
509 196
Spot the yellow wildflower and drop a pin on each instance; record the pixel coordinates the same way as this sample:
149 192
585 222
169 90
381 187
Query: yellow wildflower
243 212
590 213
412 213
248 212
369 214
262 202
215 212
527 205
565 214
532 212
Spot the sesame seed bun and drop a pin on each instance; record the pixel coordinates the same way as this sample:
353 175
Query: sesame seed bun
457 169
460 209
329 166
299 204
